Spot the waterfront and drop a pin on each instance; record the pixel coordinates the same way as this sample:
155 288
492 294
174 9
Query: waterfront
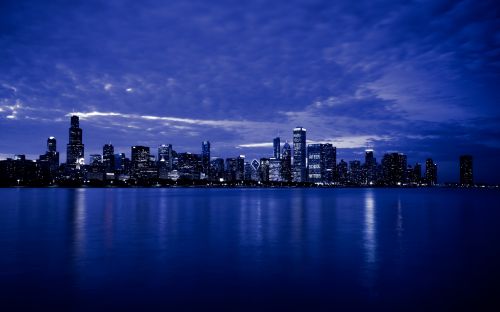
248 249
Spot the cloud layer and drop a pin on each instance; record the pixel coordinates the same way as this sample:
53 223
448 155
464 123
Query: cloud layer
420 77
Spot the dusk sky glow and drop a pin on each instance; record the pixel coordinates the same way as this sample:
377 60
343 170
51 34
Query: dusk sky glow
419 77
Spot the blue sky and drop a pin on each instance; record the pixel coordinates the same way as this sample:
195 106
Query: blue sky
419 77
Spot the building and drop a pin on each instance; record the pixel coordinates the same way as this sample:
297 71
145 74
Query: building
165 156
276 148
430 172
50 160
342 172
394 168
417 173
205 157
286 163
75 147
264 169
299 155
370 167
314 163
231 169
356 176
321 163
275 169
217 169
108 157
466 171
189 166
248 171
141 166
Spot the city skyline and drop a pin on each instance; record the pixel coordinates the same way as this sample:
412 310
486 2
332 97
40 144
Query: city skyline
366 75
306 163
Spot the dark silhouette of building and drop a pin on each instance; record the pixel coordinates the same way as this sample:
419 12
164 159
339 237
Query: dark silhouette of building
276 148
286 163
370 167
417 173
108 157
205 157
165 156
342 172
299 155
75 147
217 169
466 171
189 166
356 176
50 160
143 168
394 168
264 169
430 172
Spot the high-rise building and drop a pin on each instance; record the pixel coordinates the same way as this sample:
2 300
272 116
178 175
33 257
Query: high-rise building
430 172
108 157
165 156
235 168
264 169
417 173
205 157
217 169
370 167
342 172
394 168
75 147
240 168
140 162
231 169
314 166
276 148
321 163
51 144
466 170
356 173
275 169
189 165
286 163
255 170
299 154
52 154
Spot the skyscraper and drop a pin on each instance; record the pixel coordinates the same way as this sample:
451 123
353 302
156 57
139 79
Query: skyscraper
75 147
430 172
466 172
355 172
139 158
52 154
205 157
394 167
165 156
370 167
299 154
51 144
314 165
276 148
108 157
274 169
286 163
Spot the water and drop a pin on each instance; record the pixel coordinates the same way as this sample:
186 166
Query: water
249 249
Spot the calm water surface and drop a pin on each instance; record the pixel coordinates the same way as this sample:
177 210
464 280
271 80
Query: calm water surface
249 249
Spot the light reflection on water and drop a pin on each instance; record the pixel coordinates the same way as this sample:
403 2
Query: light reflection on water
177 247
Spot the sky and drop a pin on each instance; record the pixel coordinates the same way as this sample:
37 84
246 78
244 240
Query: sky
418 77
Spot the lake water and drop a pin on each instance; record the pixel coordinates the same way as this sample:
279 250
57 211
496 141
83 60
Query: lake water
249 249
